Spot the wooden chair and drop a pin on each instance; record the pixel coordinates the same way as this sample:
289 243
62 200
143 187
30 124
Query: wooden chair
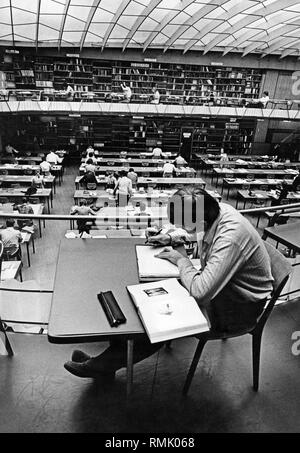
281 269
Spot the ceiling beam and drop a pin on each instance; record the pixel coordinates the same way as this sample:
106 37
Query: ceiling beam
63 21
37 25
280 31
206 9
271 8
112 25
89 19
214 23
178 9
281 43
12 23
142 17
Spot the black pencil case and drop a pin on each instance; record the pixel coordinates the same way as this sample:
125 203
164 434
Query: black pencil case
111 308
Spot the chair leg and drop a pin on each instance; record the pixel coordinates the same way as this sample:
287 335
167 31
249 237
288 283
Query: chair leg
197 355
7 344
256 344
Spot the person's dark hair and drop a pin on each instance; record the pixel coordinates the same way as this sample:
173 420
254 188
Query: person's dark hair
210 204
10 223
91 154
89 161
123 173
83 203
131 169
24 200
266 93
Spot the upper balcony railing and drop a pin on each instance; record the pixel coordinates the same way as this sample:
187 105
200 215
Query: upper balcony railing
50 94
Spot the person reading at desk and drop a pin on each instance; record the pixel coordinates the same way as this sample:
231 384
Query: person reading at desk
90 165
10 150
89 180
133 176
24 208
260 103
169 170
232 286
11 239
180 161
45 167
38 180
83 209
157 153
52 158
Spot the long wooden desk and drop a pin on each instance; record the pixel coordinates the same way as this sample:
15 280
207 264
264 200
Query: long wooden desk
15 169
26 180
288 235
42 194
128 162
258 173
171 181
76 315
186 171
240 182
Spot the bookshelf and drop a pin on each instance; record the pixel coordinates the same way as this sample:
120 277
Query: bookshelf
177 83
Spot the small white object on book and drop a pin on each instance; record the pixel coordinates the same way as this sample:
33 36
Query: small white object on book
150 266
167 311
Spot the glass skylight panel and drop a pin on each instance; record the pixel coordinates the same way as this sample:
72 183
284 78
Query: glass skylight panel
23 17
134 9
79 12
26 5
110 5
46 33
73 24
5 16
51 7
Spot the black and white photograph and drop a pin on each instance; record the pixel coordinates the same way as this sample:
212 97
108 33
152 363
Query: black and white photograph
149 149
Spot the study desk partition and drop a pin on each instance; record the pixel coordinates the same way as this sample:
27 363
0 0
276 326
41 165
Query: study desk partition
171 182
230 183
288 235
49 181
76 315
43 194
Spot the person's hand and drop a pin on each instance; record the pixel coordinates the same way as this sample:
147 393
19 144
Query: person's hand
170 254
155 237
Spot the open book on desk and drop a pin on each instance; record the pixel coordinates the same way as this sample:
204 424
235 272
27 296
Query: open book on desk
150 267
166 310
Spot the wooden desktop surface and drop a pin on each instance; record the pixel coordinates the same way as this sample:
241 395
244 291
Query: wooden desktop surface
288 234
84 268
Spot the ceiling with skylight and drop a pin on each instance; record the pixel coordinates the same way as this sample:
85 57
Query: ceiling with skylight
245 26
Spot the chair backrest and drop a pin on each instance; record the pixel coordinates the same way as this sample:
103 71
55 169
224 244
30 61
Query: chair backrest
280 269
91 186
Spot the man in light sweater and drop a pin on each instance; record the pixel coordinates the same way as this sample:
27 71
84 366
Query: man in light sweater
232 286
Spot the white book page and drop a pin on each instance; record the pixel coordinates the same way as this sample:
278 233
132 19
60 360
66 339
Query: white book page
151 266
167 310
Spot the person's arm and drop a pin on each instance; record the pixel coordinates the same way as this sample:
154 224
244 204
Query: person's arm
116 187
130 187
224 261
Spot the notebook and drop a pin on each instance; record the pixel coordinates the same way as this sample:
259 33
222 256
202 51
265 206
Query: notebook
166 310
149 266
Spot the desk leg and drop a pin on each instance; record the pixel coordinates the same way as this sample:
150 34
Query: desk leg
228 192
40 228
129 367
33 244
28 257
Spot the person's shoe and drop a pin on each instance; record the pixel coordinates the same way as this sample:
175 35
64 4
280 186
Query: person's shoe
79 356
83 370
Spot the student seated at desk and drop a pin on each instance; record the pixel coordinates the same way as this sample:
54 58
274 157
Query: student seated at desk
10 150
142 209
83 209
37 180
90 166
89 179
233 285
11 239
169 170
157 153
179 161
45 167
91 156
52 158
155 96
260 103
24 208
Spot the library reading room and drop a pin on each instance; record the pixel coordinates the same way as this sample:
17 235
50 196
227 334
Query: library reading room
149 216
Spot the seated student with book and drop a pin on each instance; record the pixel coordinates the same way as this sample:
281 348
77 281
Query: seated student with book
232 286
